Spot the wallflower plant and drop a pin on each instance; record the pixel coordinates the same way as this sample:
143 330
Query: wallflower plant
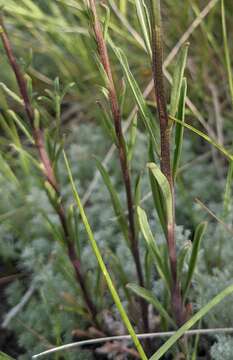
163 123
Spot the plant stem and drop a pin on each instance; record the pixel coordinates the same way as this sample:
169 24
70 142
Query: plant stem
48 170
165 161
116 113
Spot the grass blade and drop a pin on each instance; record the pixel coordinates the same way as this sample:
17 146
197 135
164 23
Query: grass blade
7 172
179 134
178 79
164 188
152 245
103 268
4 356
145 112
199 232
182 256
205 137
156 194
151 298
21 125
132 139
190 323
142 18
115 200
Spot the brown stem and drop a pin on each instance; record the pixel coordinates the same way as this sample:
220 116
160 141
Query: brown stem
165 161
115 109
47 169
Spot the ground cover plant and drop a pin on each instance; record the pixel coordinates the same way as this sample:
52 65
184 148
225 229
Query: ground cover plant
116 179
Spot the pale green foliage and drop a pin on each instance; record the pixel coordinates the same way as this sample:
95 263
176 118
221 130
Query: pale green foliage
223 348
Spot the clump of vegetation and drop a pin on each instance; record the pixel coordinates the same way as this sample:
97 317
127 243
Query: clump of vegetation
92 246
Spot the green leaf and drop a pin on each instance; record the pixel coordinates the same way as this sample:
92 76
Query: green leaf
132 139
7 172
152 246
4 356
115 200
9 128
205 137
157 195
11 94
190 323
194 254
103 268
123 6
106 22
108 125
72 220
151 298
21 125
182 256
179 134
178 79
53 228
144 110
137 200
142 13
164 188
52 195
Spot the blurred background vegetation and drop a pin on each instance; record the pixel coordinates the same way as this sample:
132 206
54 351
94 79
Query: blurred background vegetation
51 39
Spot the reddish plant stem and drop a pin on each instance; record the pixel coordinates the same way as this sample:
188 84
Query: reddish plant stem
47 169
116 113
165 161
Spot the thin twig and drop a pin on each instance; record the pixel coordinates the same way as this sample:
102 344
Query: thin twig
127 337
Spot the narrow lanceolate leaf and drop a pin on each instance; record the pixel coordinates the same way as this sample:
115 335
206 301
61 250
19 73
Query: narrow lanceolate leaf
137 199
212 142
157 195
179 134
190 323
164 188
102 266
152 246
132 139
143 21
115 200
177 80
11 94
182 256
21 125
194 255
7 172
108 124
106 22
151 298
144 110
